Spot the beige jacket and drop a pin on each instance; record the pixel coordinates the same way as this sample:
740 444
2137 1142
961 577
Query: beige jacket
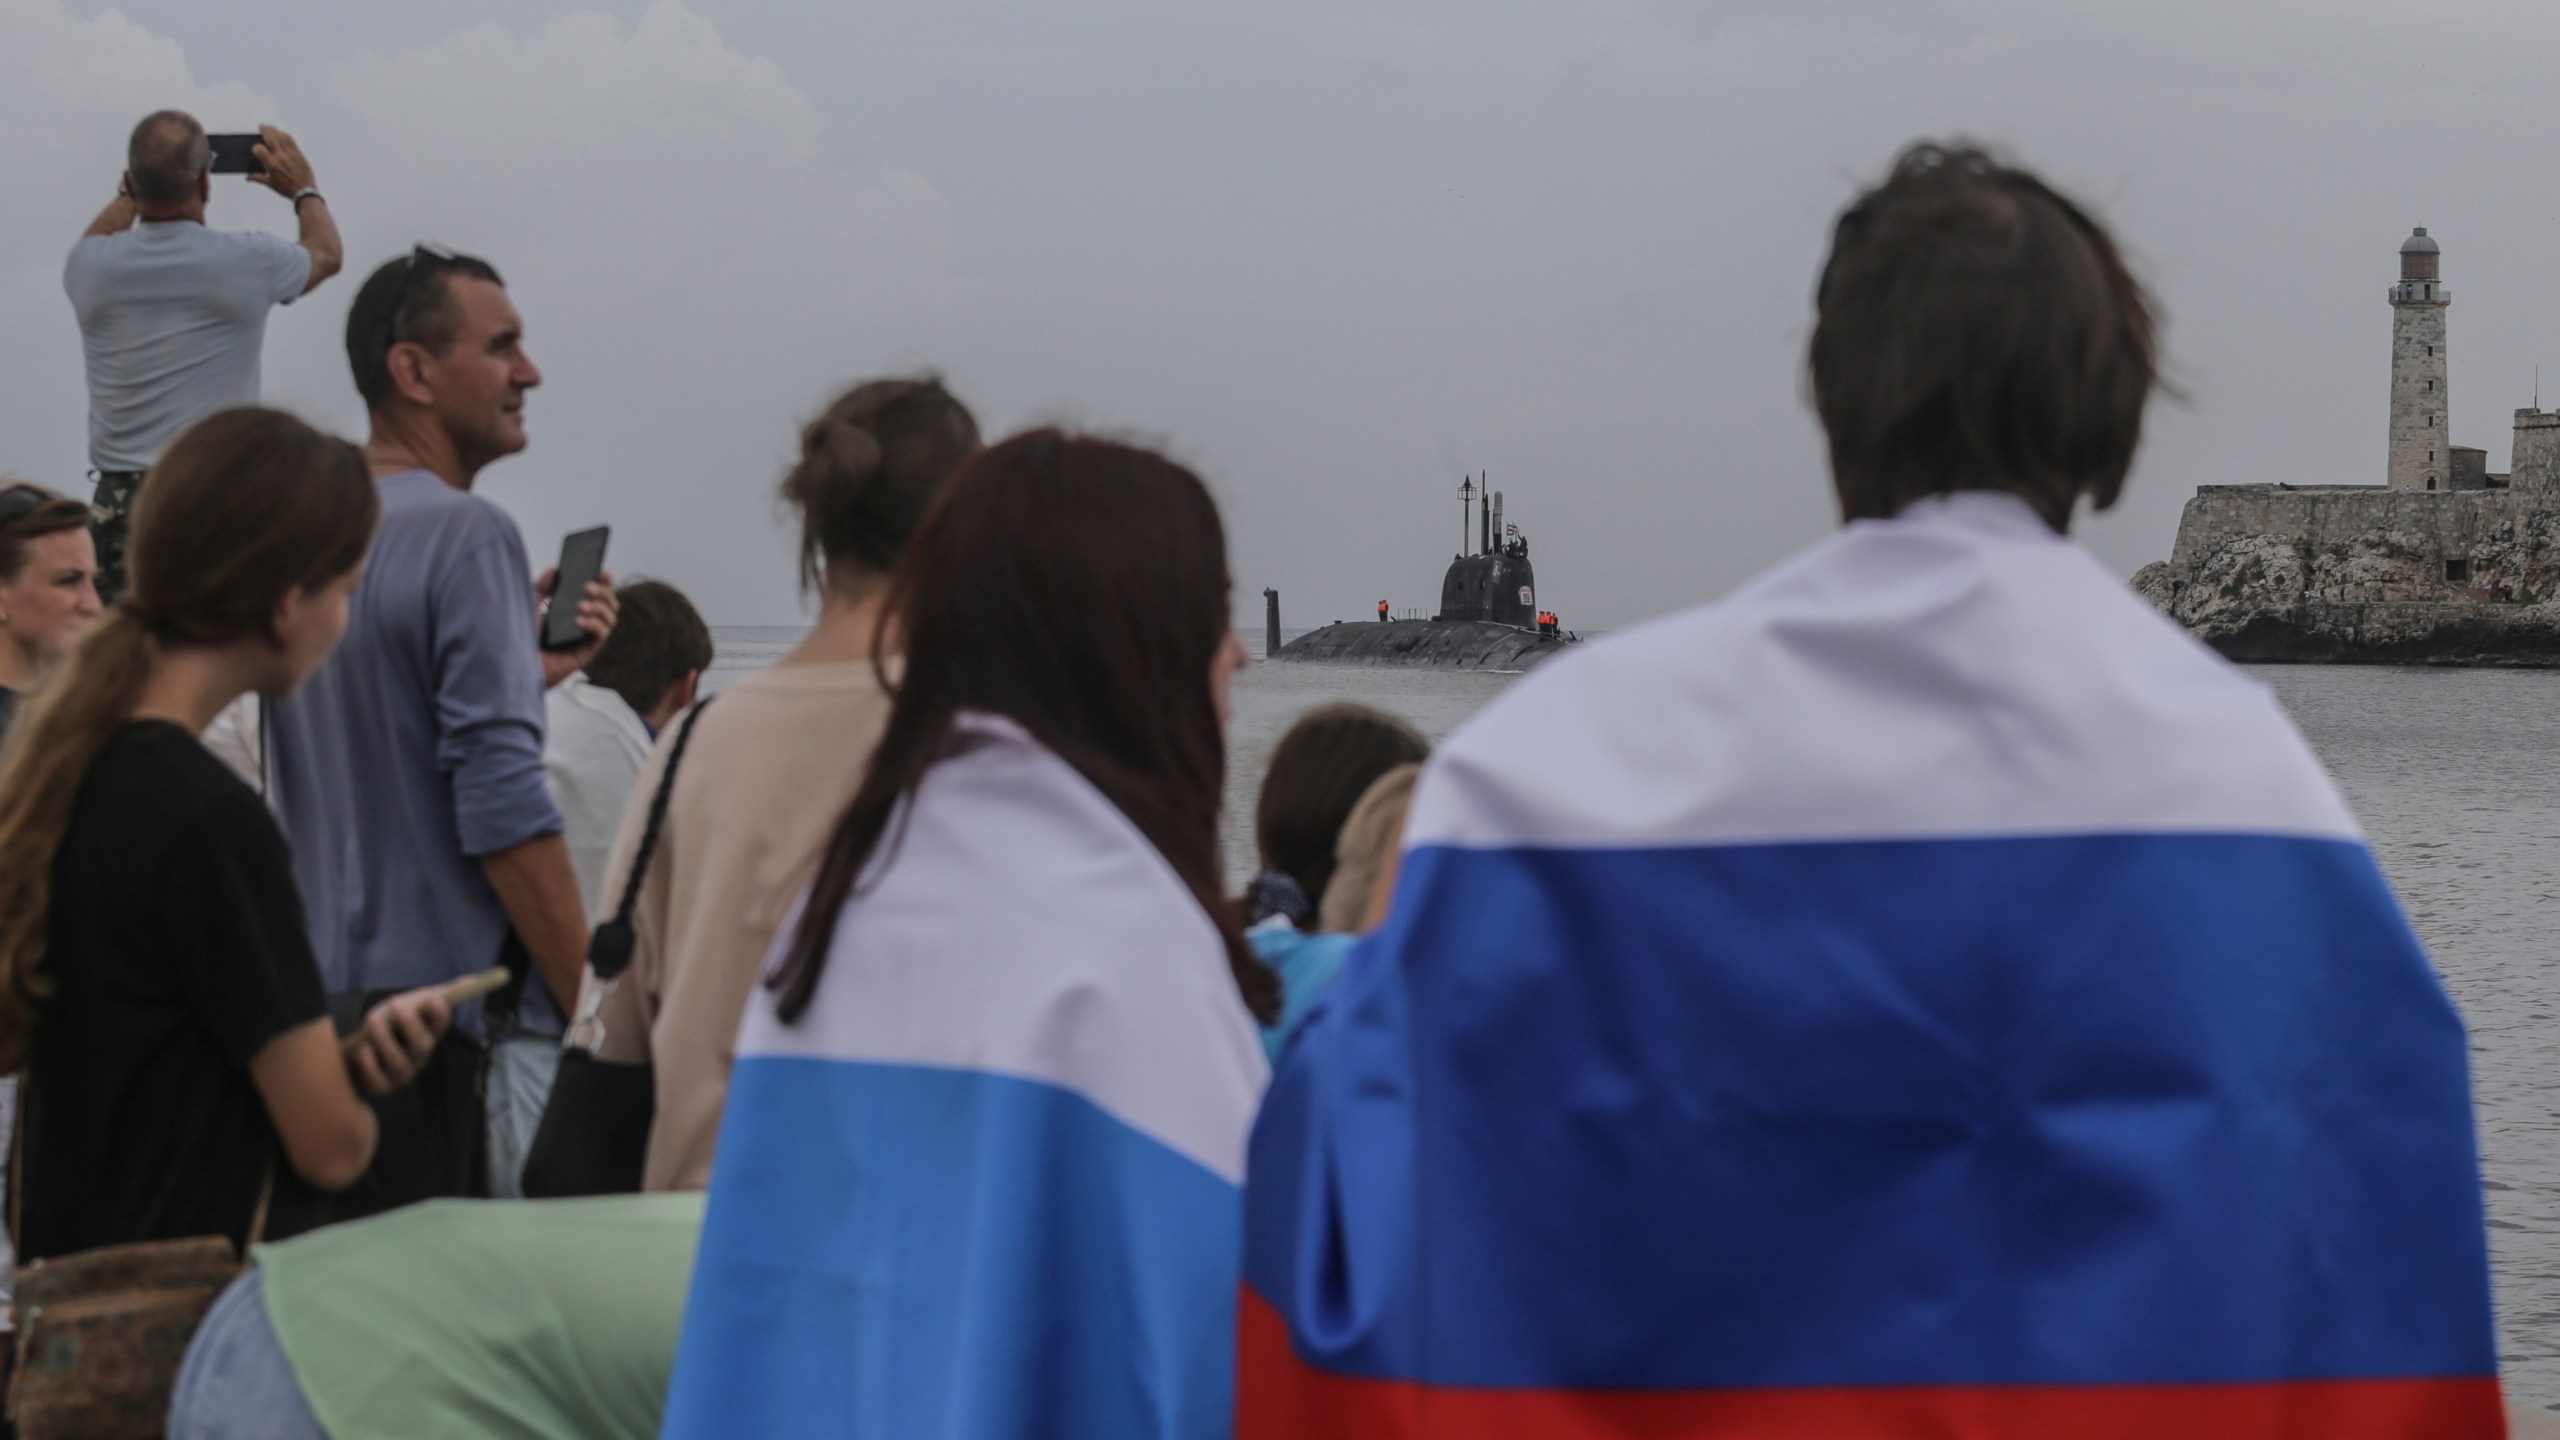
773 764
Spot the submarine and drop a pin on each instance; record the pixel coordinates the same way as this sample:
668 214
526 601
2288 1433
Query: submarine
1489 617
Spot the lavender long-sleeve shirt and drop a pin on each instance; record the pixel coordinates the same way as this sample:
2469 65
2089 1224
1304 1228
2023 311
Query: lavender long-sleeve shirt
417 749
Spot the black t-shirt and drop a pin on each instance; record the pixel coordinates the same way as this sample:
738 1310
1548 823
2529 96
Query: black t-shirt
8 708
177 951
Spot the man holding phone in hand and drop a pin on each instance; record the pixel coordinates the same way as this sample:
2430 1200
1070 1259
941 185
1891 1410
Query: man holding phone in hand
173 313
408 770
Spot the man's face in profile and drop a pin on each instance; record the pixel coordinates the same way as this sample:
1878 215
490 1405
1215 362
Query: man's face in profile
481 377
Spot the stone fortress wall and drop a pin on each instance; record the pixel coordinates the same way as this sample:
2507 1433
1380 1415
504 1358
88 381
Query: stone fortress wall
2447 563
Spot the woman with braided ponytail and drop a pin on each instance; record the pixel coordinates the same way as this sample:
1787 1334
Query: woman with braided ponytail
161 994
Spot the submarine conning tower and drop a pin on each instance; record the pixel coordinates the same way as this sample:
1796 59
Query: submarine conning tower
1496 583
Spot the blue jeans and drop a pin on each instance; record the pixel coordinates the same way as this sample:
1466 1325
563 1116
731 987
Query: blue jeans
521 1068
236 1383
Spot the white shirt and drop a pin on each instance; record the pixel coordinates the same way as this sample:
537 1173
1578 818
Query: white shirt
237 738
173 316
592 757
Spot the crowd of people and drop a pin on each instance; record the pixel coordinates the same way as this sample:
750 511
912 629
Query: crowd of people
1921 993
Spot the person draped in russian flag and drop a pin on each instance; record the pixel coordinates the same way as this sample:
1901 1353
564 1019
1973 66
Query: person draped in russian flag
978 1175
1926 993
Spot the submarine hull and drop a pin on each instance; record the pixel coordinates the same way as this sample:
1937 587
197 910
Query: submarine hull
1423 644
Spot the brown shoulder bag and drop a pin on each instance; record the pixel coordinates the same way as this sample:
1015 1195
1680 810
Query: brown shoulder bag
101 1333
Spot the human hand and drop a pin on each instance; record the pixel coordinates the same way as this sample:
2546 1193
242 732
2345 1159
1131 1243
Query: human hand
120 212
397 1038
287 173
598 609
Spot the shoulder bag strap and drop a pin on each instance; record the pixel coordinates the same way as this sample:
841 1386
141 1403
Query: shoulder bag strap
609 949
258 1217
18 1161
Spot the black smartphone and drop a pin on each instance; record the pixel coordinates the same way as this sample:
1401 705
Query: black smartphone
231 154
581 561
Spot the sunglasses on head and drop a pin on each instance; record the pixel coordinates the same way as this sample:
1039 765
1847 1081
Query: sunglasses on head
17 500
421 255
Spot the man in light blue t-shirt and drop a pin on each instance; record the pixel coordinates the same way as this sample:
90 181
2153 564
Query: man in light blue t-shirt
172 312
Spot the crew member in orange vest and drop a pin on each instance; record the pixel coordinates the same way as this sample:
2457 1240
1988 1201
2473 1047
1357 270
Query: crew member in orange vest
1382 612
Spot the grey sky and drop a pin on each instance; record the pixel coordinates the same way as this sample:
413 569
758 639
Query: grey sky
1336 254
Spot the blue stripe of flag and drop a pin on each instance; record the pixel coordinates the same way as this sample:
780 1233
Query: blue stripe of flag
900 1250
2125 1109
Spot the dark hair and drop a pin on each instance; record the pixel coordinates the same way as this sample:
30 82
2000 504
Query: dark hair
1319 770
165 160
1079 588
1978 331
406 300
51 514
659 639
246 507
868 465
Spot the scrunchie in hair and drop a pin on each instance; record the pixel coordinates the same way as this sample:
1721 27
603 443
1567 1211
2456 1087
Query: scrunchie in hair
1275 893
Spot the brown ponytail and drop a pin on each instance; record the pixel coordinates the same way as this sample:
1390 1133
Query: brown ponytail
247 507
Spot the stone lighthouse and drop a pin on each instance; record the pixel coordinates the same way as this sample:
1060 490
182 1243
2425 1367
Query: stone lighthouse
2421 445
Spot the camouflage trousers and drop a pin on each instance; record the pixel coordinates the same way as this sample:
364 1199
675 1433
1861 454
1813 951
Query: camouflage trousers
110 518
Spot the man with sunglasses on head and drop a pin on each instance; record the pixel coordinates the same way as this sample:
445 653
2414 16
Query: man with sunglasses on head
409 769
173 313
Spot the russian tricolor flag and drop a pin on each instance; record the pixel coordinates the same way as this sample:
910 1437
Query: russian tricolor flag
987 1187
1926 994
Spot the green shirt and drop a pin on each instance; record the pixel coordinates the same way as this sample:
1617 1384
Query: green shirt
501 1318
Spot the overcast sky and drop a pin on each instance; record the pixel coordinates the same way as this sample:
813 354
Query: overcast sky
1335 254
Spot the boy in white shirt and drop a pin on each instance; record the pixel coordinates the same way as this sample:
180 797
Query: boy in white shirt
604 721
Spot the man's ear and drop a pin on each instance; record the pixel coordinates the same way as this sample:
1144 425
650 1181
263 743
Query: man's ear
204 185
407 365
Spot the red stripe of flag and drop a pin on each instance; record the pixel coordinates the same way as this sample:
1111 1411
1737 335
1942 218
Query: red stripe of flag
1279 1397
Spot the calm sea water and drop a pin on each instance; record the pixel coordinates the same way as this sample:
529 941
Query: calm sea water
2453 775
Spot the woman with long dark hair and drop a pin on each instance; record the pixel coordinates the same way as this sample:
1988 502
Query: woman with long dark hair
155 979
979 1170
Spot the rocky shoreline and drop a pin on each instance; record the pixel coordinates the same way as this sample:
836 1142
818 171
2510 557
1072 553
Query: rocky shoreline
2255 607
2364 574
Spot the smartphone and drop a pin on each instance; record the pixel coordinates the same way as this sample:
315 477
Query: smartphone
472 987
581 561
460 992
231 154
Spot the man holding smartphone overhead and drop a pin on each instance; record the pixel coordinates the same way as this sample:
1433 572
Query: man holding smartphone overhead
173 313
409 770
